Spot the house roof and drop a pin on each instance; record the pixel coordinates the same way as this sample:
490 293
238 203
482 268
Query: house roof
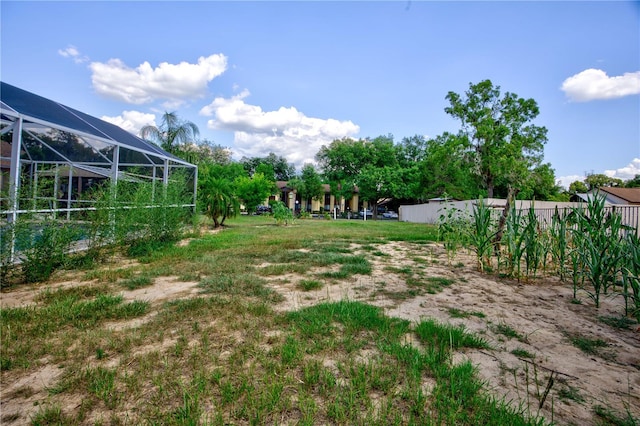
630 195
18 102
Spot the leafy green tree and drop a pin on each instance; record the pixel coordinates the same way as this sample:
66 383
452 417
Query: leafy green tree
412 150
370 165
445 169
203 152
505 145
376 184
341 162
254 190
282 170
308 185
171 132
267 171
594 181
578 187
541 184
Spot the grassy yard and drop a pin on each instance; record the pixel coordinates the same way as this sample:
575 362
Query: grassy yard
226 356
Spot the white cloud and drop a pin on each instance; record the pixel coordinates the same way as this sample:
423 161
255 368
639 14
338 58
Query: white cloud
72 52
625 173
172 83
593 84
286 131
131 121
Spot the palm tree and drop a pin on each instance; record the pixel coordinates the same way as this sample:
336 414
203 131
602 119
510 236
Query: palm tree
172 131
218 198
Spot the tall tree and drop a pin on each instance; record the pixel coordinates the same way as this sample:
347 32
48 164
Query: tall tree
341 162
505 143
370 165
171 132
282 170
506 146
377 184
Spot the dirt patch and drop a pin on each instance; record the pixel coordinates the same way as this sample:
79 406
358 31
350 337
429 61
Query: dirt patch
20 398
541 314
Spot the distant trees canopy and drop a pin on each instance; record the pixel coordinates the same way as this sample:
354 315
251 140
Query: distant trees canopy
497 151
203 152
599 180
281 169
594 181
633 183
578 187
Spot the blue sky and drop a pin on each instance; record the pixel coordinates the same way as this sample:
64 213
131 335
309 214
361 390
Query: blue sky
289 77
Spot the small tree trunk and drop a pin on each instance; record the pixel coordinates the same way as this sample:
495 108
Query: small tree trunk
512 193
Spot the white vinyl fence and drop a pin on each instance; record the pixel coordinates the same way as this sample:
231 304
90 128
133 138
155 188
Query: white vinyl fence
431 212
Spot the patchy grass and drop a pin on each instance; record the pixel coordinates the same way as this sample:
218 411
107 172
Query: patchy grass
523 353
308 285
621 322
588 345
458 313
227 357
506 330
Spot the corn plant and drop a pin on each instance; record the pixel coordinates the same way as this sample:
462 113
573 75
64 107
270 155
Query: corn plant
481 234
600 250
452 231
513 240
533 243
577 275
631 276
560 242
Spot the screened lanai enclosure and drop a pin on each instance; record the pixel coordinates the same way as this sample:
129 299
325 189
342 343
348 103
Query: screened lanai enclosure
55 159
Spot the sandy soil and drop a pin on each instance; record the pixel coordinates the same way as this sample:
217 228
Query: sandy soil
541 312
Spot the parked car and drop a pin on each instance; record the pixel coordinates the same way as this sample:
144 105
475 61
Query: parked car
263 210
390 215
369 213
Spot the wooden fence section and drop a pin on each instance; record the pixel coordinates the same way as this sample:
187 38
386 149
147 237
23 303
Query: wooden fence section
544 210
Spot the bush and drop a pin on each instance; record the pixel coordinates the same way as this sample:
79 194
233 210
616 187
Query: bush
281 213
45 249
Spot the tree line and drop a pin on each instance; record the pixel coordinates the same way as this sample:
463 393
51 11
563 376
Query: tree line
498 151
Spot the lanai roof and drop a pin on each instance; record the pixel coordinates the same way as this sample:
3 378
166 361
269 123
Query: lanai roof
37 109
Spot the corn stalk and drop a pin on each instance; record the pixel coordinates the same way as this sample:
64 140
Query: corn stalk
598 243
631 276
481 234
560 242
